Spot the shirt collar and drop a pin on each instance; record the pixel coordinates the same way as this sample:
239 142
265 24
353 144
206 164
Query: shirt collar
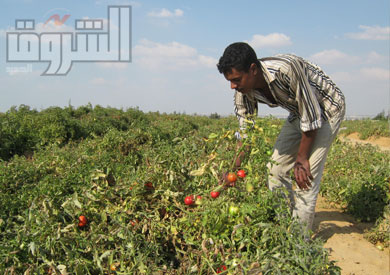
267 75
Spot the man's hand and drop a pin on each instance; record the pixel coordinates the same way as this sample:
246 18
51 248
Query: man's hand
302 174
241 155
223 178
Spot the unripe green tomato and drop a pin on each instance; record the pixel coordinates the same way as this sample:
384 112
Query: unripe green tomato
233 210
198 200
249 187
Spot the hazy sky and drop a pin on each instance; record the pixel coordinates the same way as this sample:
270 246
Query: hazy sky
176 45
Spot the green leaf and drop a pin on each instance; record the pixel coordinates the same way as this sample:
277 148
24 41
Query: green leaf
77 203
342 191
174 230
213 135
198 172
31 247
105 254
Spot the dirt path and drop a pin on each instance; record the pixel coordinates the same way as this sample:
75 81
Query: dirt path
383 143
344 237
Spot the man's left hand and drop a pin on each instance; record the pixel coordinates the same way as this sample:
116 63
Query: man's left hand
302 174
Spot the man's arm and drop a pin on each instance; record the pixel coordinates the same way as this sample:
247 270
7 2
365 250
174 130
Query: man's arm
241 154
244 109
302 166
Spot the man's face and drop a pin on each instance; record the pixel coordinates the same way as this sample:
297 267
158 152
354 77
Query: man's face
241 81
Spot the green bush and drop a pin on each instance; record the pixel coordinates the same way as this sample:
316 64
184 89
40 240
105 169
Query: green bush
23 131
130 183
357 177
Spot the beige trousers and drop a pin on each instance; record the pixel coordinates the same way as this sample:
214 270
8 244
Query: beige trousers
283 158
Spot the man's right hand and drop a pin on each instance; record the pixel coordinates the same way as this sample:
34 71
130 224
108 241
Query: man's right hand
223 178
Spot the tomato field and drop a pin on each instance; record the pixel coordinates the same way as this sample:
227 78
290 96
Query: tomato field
93 190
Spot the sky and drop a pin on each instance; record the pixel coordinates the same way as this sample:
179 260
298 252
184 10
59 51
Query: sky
175 46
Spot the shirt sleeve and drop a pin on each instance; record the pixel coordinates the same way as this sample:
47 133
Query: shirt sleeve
245 110
308 106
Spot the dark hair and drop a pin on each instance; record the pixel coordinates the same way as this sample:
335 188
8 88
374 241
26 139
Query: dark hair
239 56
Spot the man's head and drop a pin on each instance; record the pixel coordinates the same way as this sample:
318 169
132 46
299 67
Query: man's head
240 66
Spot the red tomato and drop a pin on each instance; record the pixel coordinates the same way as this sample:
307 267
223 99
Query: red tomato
232 177
241 173
189 200
133 222
82 221
221 268
214 194
149 185
113 267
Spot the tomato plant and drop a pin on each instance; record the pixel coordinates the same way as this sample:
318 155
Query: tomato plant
128 172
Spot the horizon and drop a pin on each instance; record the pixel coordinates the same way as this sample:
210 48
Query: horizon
124 109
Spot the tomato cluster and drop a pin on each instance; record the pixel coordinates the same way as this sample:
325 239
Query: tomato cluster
231 178
190 200
221 269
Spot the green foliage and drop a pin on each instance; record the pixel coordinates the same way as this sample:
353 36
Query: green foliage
360 183
366 128
23 131
128 173
381 230
358 177
17 132
215 116
381 116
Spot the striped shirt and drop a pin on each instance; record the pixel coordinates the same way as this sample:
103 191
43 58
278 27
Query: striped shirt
298 86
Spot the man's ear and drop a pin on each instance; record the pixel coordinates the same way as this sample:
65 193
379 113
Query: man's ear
253 69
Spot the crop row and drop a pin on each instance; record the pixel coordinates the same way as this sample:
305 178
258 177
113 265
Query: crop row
113 200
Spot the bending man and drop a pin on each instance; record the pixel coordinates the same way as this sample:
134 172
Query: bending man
316 106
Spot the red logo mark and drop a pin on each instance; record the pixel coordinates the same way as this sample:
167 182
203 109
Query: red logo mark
57 20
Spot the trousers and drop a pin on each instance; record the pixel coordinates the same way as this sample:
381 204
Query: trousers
302 202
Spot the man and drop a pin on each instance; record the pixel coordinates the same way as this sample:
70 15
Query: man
316 109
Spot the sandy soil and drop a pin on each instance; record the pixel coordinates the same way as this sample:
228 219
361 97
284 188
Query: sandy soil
344 236
382 142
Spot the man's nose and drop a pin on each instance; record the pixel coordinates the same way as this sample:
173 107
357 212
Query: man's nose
233 86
